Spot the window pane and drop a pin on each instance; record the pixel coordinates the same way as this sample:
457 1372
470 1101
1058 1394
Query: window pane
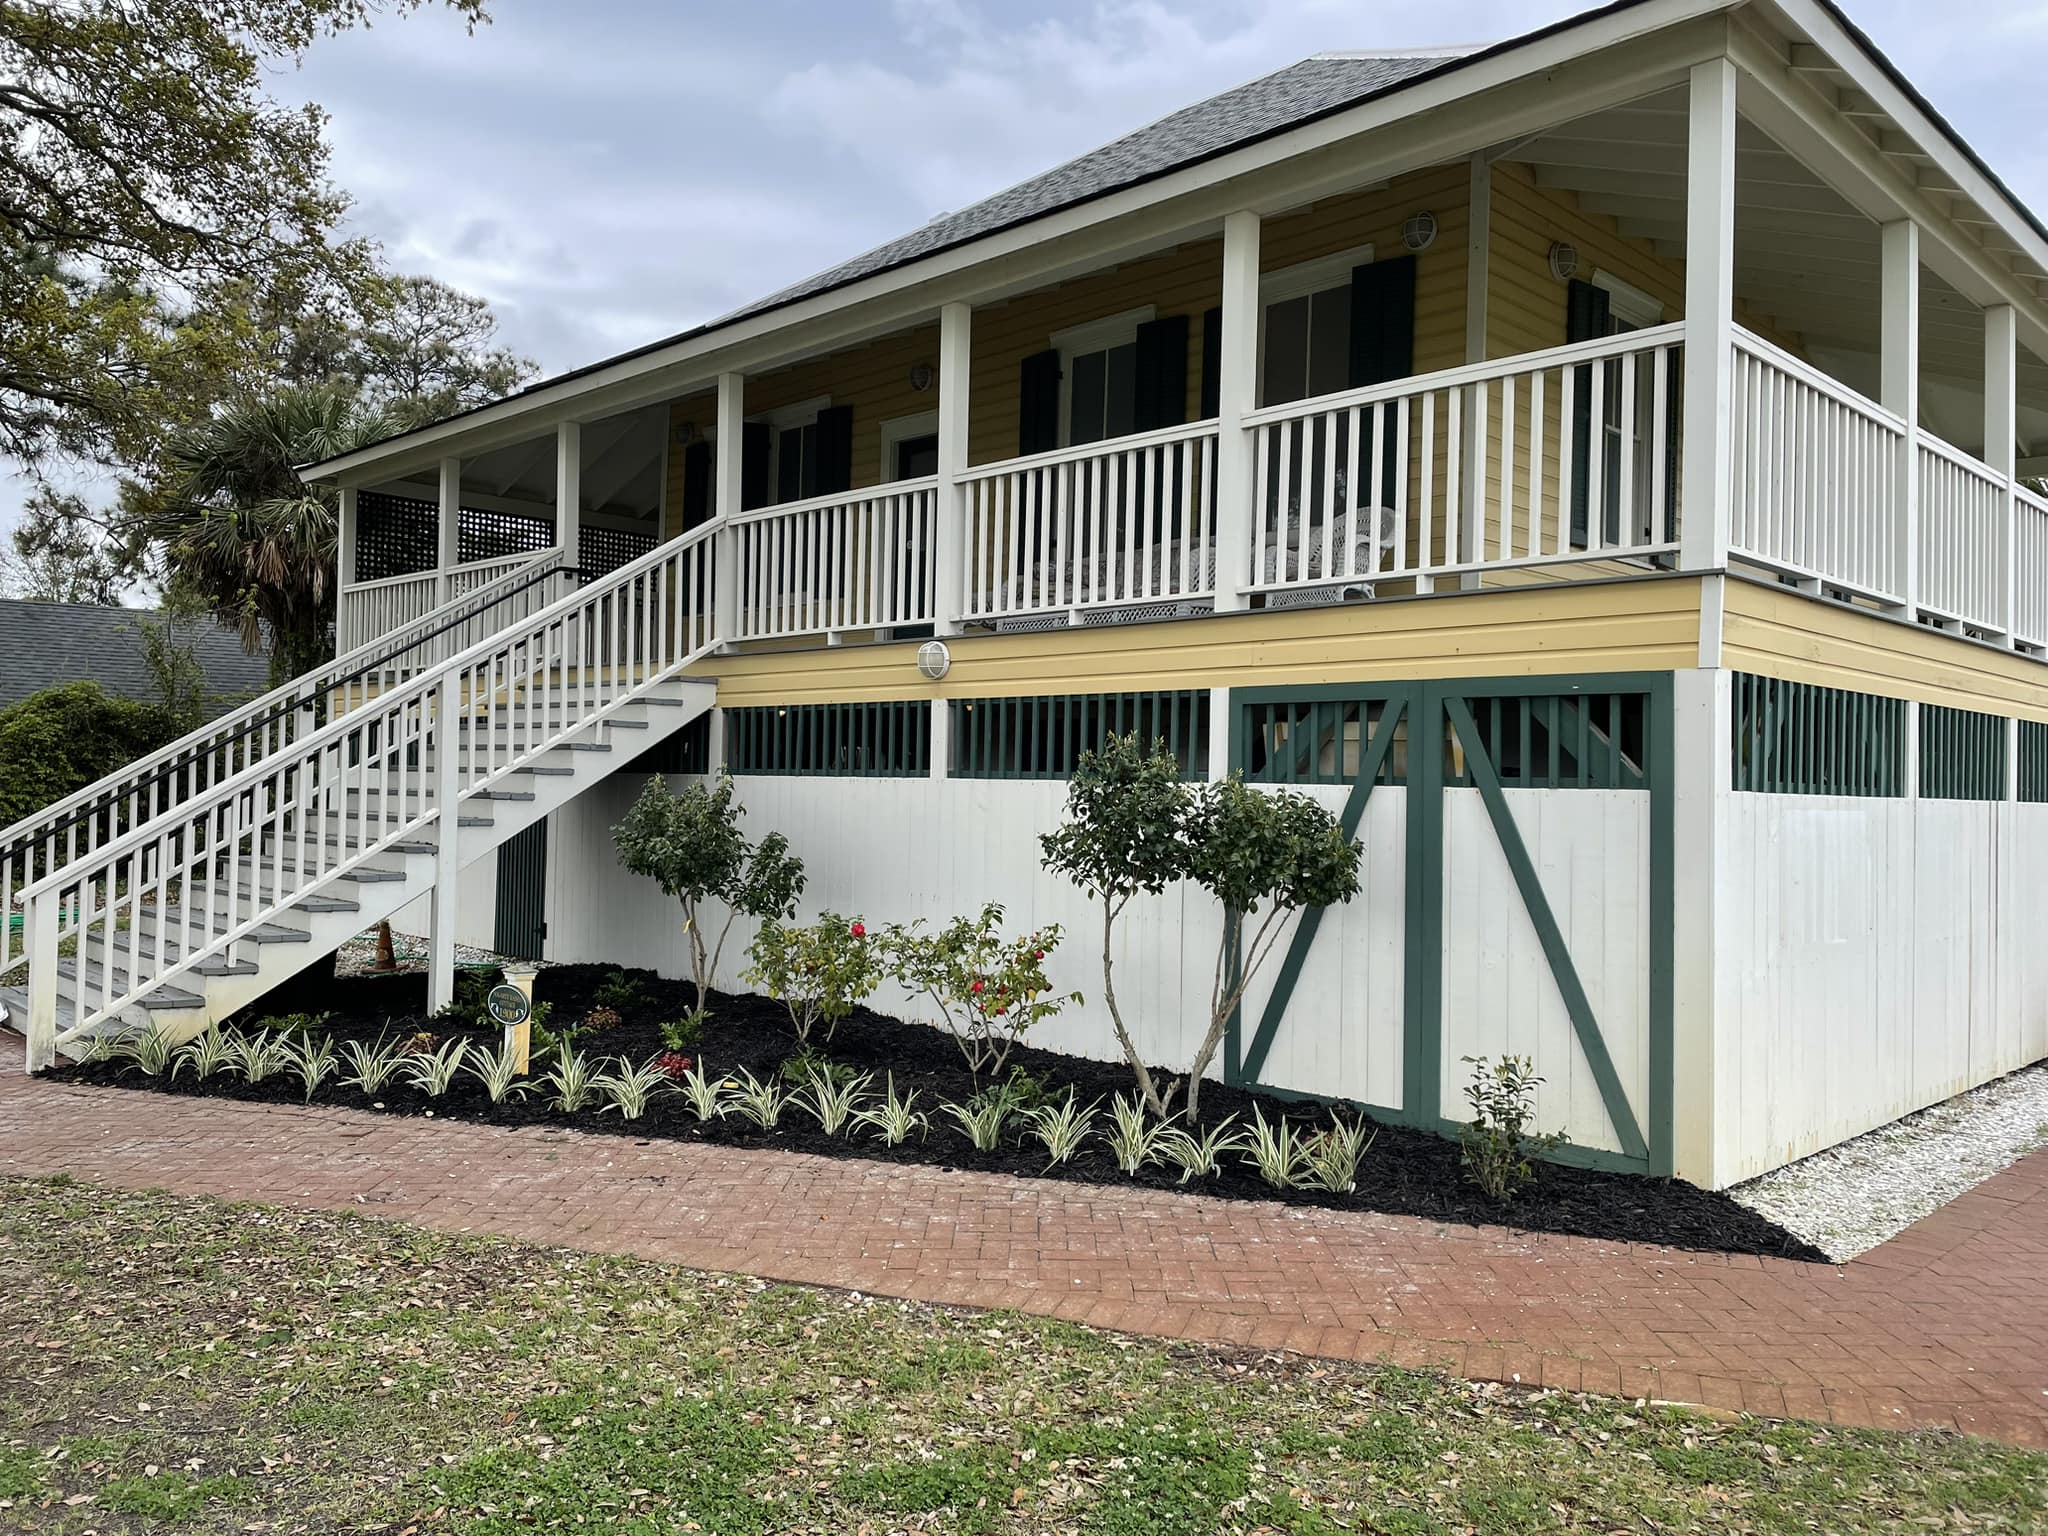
1084 412
1120 407
1329 342
789 464
1286 373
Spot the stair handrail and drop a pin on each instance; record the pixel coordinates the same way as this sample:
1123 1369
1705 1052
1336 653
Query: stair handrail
281 704
606 645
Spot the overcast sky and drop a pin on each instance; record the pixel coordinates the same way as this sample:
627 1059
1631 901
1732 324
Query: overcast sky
609 172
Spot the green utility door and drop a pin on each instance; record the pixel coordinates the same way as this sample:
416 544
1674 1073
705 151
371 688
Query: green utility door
522 922
1518 852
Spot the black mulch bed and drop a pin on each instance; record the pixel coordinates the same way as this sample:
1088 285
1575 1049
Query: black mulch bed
1407 1171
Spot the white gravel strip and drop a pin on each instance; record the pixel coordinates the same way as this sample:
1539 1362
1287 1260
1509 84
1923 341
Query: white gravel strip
1850 1198
358 956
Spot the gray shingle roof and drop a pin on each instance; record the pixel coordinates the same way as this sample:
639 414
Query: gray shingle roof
1278 101
42 644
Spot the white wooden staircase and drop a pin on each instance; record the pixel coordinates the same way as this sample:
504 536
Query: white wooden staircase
188 886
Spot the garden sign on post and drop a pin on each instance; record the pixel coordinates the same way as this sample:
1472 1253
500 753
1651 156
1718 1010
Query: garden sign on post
511 1004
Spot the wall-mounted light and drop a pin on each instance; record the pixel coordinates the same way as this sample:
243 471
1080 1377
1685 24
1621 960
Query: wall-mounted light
921 376
686 433
1419 233
934 660
1564 261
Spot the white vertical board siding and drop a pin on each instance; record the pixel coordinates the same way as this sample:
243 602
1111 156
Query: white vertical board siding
476 907
1881 956
1591 852
889 850
1342 1032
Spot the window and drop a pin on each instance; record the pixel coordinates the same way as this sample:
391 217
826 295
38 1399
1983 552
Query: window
910 446
792 448
1099 377
1305 337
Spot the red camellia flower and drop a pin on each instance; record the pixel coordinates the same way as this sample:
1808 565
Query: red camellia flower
858 930
976 988
1040 955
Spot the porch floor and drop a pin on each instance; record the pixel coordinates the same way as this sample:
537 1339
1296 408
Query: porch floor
1945 1325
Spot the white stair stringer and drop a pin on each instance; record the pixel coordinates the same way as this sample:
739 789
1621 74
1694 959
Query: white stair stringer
333 910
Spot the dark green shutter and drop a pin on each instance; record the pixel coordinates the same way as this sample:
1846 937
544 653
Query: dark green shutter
1587 317
754 449
1038 403
834 456
1212 362
521 920
1162 373
697 507
1382 345
1382 321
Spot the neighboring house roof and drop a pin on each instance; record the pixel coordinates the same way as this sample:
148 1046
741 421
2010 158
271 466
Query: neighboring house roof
43 644
1267 105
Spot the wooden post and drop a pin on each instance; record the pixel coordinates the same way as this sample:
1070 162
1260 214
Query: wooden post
569 491
450 531
732 427
1471 509
2001 435
41 948
447 857
346 514
1709 315
1899 390
949 542
1237 395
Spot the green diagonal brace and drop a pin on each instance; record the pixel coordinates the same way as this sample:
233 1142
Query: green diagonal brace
1584 1025
1254 1058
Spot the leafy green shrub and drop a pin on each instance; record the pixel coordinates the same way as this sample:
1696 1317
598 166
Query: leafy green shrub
988 989
819 972
294 1025
690 844
64 738
685 1033
619 992
1497 1148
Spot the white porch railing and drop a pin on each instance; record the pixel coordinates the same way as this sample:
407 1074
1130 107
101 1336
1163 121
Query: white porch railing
1962 516
2030 569
1128 521
856 560
366 609
1816 483
75 826
1558 456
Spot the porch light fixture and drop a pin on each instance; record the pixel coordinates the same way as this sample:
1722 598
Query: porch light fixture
920 377
934 660
1564 261
686 433
1419 233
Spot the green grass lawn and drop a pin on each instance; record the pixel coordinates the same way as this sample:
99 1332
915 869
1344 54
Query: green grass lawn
177 1364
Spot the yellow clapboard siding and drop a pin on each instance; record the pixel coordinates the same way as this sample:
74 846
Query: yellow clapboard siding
1777 632
1650 624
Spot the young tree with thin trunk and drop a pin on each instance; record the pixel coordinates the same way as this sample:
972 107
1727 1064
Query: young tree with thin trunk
1266 854
1123 837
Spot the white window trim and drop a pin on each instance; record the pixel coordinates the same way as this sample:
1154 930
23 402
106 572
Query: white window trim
1313 276
901 429
1118 330
1628 302
1299 281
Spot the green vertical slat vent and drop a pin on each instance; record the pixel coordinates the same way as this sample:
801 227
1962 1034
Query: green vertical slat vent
1043 736
890 739
1319 741
1962 754
1558 741
2033 775
1803 739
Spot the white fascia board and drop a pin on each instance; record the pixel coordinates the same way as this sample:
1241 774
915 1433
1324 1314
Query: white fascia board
1552 78
1787 105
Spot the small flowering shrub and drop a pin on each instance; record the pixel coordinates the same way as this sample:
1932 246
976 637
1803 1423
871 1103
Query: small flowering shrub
600 1019
990 990
819 973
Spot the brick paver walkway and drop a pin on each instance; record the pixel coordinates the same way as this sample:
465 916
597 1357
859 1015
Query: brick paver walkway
1945 1325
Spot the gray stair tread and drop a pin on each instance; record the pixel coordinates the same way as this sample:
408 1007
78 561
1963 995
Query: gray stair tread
158 997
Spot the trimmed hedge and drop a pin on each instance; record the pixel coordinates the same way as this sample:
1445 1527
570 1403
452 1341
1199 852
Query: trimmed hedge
64 738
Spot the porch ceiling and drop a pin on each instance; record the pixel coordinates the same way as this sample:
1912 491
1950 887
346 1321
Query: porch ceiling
1805 258
623 462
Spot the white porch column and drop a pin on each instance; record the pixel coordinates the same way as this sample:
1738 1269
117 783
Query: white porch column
1899 389
569 491
949 542
447 863
1709 314
344 562
450 527
732 430
1236 396
2001 435
1478 244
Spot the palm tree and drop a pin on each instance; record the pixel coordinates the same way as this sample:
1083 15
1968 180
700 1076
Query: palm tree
243 534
